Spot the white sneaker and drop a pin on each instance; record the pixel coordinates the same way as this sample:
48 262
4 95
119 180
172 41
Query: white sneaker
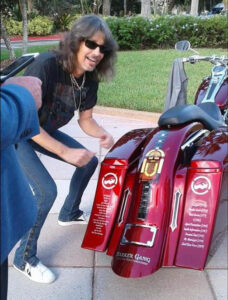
81 220
39 273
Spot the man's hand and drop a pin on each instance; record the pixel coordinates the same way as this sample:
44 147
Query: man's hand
32 84
106 140
90 127
77 157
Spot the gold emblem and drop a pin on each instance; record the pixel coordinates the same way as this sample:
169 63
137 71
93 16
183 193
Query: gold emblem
152 164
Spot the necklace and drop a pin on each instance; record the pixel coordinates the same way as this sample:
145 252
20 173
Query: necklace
76 86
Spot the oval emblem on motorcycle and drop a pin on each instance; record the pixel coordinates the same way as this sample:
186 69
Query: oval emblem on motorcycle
109 181
201 185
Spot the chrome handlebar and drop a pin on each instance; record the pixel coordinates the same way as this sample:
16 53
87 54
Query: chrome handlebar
215 60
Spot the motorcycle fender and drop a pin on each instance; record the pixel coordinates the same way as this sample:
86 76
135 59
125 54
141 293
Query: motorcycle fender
142 244
110 188
206 202
125 204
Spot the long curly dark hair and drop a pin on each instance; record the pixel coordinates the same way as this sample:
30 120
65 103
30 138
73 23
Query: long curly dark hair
84 28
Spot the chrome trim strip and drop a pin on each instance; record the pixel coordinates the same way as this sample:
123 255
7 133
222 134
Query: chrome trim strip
123 206
176 207
195 137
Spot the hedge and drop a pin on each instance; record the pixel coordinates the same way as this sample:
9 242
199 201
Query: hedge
40 26
37 26
13 27
163 32
134 33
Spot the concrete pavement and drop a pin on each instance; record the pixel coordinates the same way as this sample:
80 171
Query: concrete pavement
17 42
85 275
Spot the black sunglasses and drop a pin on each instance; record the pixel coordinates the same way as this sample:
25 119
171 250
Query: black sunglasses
92 45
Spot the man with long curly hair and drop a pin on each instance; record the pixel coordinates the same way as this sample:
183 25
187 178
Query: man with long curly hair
70 78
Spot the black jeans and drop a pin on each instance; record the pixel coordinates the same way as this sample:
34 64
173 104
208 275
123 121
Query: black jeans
4 279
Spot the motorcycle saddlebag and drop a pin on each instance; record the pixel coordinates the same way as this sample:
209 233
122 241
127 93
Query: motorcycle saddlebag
111 188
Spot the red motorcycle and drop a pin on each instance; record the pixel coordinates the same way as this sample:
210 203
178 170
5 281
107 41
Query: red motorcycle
161 198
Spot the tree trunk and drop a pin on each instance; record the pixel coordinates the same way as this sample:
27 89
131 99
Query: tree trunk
145 8
154 6
165 7
125 7
171 5
99 7
7 40
96 6
82 6
23 8
194 8
30 5
106 7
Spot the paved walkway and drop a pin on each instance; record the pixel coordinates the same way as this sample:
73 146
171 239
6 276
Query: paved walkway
85 275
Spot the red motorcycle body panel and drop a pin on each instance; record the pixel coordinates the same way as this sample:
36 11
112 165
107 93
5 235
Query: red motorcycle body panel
221 98
140 250
128 193
110 187
173 231
154 209
206 191
199 215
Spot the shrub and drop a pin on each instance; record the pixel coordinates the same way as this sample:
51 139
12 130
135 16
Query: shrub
40 26
62 22
165 31
13 27
130 32
72 20
213 32
133 33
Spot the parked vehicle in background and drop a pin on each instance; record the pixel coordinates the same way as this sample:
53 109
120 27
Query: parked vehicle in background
217 9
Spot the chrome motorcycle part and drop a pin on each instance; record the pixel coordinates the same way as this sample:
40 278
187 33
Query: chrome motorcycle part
194 138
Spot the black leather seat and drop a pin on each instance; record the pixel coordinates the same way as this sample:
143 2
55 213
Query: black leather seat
207 113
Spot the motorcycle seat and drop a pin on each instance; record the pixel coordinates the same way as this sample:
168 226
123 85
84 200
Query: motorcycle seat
207 113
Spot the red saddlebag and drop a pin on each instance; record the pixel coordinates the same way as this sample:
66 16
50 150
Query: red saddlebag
205 212
112 189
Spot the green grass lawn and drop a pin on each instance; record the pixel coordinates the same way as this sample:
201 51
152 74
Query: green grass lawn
142 77
43 48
